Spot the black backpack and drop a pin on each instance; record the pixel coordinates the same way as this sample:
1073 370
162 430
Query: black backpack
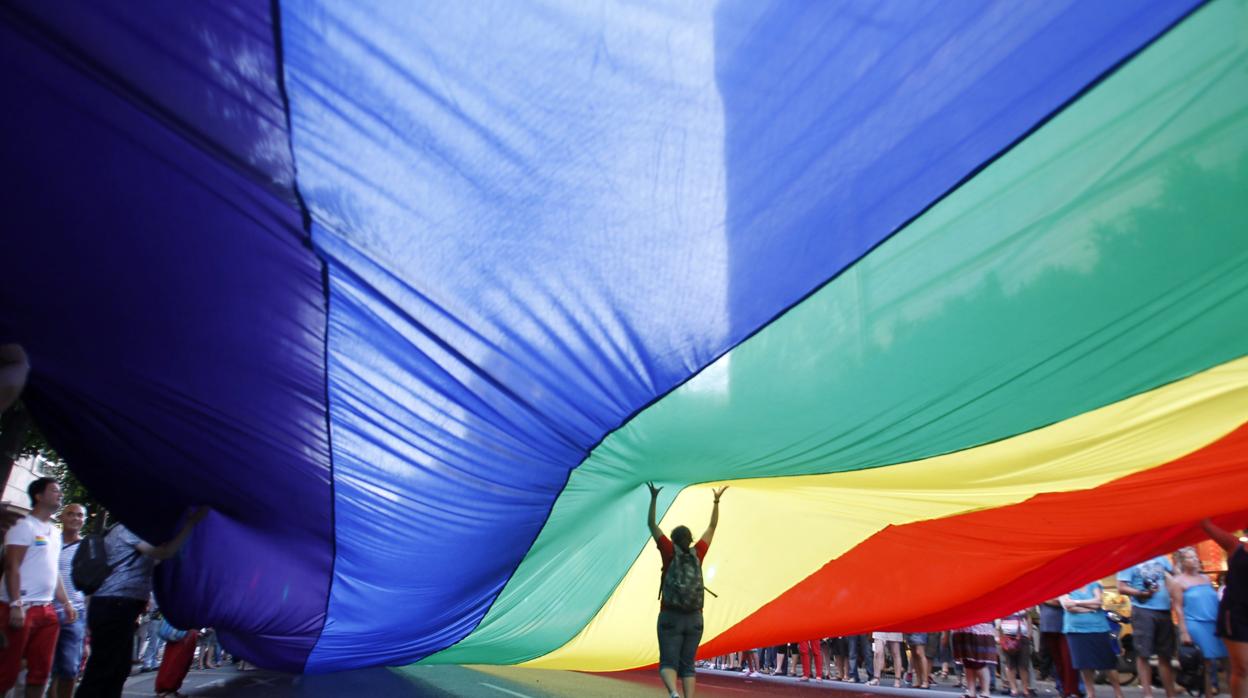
1191 674
90 567
682 584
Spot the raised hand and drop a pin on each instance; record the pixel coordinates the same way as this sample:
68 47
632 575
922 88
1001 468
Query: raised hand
719 493
654 491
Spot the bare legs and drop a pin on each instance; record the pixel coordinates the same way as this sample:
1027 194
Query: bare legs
880 647
1020 684
977 681
1146 675
1089 682
1239 668
922 666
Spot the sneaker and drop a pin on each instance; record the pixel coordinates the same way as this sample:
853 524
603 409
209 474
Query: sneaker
752 674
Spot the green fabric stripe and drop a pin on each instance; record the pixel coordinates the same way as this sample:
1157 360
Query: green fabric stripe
1104 256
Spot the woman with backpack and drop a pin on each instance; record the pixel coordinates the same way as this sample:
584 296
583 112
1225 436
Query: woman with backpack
1195 604
681 596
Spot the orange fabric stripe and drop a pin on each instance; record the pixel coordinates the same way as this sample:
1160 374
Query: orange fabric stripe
921 569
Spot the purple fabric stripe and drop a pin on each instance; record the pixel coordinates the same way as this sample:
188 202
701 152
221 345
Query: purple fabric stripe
157 272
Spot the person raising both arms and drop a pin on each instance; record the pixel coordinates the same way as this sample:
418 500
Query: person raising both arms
681 595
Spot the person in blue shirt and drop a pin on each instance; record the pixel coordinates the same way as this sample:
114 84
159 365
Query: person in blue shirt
1147 585
1087 633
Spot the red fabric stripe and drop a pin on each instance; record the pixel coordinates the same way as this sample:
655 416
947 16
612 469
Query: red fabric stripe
942 573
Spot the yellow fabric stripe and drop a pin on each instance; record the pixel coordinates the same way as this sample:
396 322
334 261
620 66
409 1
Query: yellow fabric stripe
775 532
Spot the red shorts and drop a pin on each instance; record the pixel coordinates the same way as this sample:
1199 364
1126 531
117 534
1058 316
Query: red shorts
35 641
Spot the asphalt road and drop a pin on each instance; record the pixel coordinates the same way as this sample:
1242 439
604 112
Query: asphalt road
487 682
515 682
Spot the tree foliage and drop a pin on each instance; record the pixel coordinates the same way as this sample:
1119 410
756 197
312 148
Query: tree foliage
35 444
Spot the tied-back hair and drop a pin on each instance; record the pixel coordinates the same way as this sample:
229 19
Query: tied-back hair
682 538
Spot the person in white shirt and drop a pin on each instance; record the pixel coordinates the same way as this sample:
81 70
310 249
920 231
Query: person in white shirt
32 579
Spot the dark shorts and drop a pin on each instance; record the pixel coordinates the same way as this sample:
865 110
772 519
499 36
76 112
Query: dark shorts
1153 632
679 637
914 639
1232 622
1092 651
1014 660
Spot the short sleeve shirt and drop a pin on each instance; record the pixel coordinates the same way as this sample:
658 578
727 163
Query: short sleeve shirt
1051 618
41 565
1150 571
1015 625
667 549
1094 622
76 598
132 576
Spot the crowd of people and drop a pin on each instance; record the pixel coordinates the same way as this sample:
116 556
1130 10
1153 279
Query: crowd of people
60 600
1177 612
73 605
1172 604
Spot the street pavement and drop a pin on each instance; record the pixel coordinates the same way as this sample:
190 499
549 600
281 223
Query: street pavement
517 682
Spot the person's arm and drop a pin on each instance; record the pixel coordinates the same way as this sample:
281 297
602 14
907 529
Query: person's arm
1094 603
164 551
13 556
655 531
14 367
71 614
710 530
1069 604
1176 606
1082 605
1127 590
1227 540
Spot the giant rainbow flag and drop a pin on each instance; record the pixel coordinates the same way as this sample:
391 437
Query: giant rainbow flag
416 295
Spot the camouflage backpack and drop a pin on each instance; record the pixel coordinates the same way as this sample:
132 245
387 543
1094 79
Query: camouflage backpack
682 584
